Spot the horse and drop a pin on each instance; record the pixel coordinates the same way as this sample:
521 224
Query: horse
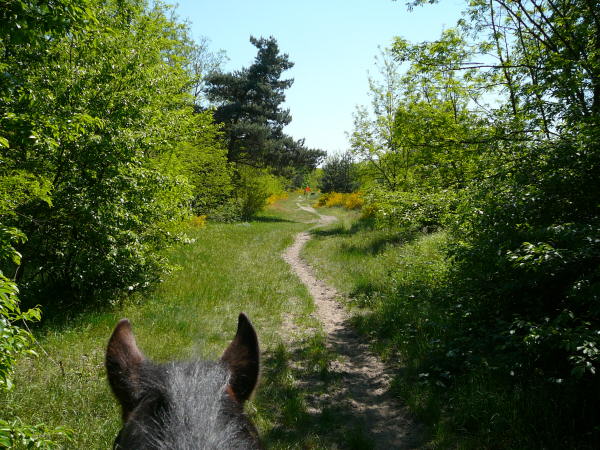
184 405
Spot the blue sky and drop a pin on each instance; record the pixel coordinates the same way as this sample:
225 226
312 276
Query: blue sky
332 43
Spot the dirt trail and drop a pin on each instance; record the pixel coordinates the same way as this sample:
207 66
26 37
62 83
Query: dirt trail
364 378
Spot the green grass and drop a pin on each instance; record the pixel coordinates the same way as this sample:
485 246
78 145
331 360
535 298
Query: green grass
396 283
227 269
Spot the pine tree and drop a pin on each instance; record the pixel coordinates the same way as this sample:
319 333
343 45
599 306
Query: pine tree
249 105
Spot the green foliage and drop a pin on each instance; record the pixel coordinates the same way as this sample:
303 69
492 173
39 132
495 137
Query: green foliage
254 187
206 169
15 434
96 113
338 174
249 105
251 189
16 342
424 209
492 132
421 144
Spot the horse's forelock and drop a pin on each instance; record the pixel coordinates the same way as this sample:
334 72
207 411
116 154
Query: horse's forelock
196 411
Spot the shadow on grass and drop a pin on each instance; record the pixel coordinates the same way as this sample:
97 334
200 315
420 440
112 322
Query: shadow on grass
272 219
338 229
379 244
372 244
61 307
297 399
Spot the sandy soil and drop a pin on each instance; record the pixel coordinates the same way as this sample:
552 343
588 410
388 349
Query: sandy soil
364 378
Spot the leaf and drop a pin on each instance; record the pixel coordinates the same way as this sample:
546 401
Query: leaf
5 439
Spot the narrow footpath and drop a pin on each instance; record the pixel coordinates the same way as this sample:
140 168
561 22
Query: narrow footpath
365 380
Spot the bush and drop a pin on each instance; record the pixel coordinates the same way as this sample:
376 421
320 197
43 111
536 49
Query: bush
273 198
354 201
348 201
427 210
102 115
205 166
198 221
253 189
228 212
338 174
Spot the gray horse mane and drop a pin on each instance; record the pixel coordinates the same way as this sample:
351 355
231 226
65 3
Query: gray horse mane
184 405
196 412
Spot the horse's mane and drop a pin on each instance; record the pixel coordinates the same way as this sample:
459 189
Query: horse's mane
185 406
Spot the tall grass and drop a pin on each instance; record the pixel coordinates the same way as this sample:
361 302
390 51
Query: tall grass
396 284
388 275
227 269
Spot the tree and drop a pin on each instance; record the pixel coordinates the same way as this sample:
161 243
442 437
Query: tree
422 139
339 174
204 62
373 139
249 102
95 112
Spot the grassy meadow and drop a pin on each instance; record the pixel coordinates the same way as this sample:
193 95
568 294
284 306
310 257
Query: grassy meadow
227 268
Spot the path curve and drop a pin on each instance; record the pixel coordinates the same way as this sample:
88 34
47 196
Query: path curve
365 379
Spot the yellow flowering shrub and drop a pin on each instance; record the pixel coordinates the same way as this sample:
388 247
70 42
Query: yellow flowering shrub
198 221
275 197
353 201
348 201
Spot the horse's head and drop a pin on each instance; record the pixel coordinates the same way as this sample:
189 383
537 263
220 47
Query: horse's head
184 406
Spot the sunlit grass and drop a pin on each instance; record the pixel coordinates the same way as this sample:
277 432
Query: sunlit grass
229 268
393 280
354 258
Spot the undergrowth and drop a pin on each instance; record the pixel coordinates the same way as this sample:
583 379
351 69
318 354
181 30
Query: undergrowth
397 283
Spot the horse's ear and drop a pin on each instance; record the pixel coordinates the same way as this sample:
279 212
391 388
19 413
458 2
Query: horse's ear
242 357
123 363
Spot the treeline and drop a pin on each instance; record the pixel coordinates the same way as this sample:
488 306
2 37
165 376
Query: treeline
115 128
491 133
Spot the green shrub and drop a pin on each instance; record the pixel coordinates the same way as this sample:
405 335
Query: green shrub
338 174
205 166
254 187
16 342
419 210
95 102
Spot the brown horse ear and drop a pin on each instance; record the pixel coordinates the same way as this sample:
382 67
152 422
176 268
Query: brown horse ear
242 358
123 363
